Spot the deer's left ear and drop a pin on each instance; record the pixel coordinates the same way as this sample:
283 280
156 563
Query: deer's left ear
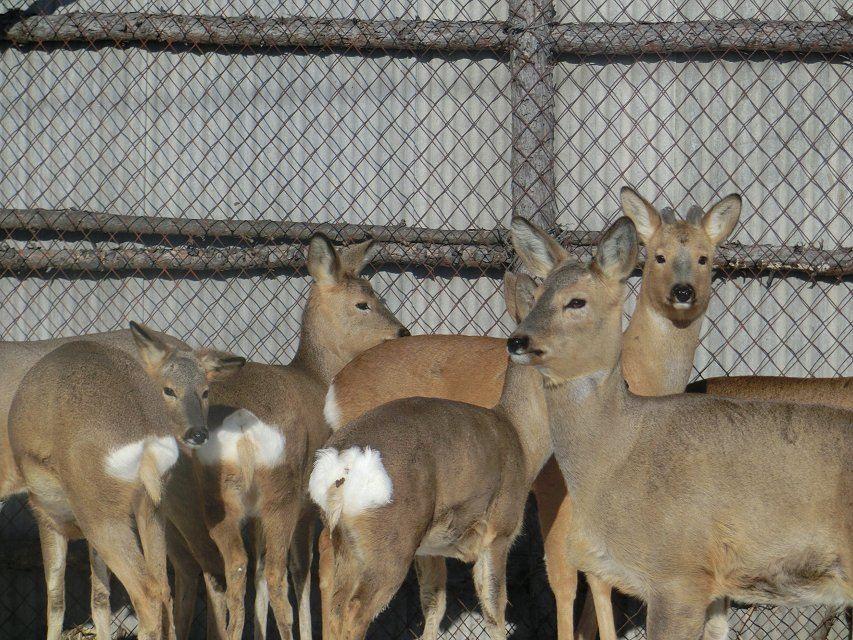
152 350
720 221
617 251
219 365
356 257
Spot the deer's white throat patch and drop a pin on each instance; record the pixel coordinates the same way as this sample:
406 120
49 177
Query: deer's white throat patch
123 462
243 428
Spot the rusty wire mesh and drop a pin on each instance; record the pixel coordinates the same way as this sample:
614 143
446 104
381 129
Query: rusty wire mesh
422 138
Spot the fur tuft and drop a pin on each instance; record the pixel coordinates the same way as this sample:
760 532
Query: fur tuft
145 461
245 440
331 410
348 483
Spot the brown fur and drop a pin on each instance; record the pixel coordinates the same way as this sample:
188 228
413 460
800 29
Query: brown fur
685 499
832 392
471 369
460 474
78 403
289 398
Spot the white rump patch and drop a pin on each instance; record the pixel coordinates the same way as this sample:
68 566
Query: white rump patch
366 484
123 463
331 411
266 441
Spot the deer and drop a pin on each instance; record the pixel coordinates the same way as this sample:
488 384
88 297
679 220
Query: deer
86 401
673 299
687 499
189 547
267 424
832 392
429 478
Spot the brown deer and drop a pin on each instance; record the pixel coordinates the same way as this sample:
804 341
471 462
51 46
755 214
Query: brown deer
190 548
688 499
430 478
832 392
268 424
92 439
673 299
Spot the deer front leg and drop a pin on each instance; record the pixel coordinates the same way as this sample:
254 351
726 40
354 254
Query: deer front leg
490 583
432 583
674 616
100 597
601 596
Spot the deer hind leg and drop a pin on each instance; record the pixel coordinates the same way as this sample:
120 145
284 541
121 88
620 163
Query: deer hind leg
490 584
228 538
54 550
262 594
301 553
717 620
600 593
100 597
187 571
326 573
116 544
278 534
152 535
432 583
675 617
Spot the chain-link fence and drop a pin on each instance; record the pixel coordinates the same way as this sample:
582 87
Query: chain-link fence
166 162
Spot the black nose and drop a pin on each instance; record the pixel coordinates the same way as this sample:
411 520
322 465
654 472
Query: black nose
195 437
517 344
683 293
403 333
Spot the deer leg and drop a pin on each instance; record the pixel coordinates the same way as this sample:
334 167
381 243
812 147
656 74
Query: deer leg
228 538
326 571
100 597
672 617
301 553
432 582
490 583
278 533
54 550
262 594
186 580
152 535
717 620
116 544
600 593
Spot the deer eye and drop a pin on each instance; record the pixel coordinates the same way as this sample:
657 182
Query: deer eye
660 259
703 259
170 392
575 303
363 306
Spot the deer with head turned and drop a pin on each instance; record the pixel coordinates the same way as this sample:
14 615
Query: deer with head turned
687 499
430 478
93 441
268 423
673 298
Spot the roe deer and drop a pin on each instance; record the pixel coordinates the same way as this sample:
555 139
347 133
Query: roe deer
687 499
832 392
92 439
268 424
430 478
673 298
181 504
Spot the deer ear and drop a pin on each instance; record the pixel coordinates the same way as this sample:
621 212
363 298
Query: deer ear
720 221
539 252
356 257
219 365
153 351
518 294
645 217
617 250
324 264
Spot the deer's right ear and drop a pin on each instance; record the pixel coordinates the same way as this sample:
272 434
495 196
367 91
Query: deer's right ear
219 365
518 294
152 350
539 252
617 250
645 217
323 262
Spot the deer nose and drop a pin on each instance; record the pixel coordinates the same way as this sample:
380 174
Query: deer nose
683 293
403 333
517 344
195 437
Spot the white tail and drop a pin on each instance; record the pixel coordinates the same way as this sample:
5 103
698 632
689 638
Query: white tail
145 461
349 482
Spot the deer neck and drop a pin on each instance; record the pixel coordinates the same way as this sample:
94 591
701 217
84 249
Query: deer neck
590 426
658 356
318 354
523 402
